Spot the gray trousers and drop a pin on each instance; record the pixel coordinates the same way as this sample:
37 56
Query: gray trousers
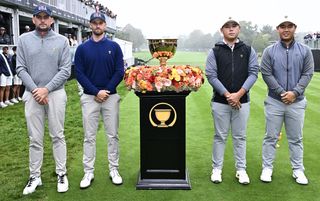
91 111
35 117
224 118
292 116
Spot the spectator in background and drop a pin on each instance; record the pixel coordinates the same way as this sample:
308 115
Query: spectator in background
307 38
84 38
315 40
70 39
4 37
26 29
16 80
6 77
75 41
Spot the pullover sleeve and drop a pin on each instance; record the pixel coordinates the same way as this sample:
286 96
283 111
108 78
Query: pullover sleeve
266 71
307 73
22 69
80 73
253 70
64 69
119 70
211 74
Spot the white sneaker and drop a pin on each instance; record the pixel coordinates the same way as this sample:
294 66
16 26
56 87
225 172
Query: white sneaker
86 180
32 184
115 177
266 175
216 176
7 102
300 177
19 99
14 100
3 105
243 177
63 183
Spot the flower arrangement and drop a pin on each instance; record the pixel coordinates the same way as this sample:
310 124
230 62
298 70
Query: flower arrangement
160 79
166 54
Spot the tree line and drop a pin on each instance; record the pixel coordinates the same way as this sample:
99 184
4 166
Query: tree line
199 41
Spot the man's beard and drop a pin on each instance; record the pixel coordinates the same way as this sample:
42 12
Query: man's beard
98 33
43 29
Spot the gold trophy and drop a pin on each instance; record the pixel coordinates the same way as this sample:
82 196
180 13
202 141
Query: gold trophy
162 49
163 116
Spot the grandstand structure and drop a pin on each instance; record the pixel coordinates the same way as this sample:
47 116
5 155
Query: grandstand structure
70 17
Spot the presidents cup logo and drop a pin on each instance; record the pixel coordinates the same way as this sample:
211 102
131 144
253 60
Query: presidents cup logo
162 115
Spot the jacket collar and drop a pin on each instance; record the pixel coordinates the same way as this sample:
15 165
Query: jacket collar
283 44
50 32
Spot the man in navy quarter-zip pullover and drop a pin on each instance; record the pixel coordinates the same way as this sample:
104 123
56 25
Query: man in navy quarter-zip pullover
287 68
99 70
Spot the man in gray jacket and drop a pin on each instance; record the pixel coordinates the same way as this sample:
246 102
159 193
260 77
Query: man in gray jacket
43 64
287 68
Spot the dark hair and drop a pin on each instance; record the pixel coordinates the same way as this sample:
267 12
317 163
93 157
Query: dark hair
14 48
5 47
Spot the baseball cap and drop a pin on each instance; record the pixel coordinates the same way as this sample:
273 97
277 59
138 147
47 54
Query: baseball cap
97 15
2 28
230 21
42 8
286 19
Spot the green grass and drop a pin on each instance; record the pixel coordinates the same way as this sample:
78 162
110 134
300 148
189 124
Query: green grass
14 152
191 58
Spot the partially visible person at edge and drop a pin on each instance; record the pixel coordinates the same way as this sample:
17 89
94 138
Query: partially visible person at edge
4 37
16 80
232 69
43 64
5 77
287 68
99 70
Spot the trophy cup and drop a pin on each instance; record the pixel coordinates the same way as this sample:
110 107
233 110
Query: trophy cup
162 49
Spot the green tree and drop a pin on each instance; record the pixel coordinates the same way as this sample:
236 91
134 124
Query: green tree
267 29
132 34
261 42
193 41
248 32
206 41
217 37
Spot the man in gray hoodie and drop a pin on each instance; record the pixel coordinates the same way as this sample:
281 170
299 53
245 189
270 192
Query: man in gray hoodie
287 68
43 64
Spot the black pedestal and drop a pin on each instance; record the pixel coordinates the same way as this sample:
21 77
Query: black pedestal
163 141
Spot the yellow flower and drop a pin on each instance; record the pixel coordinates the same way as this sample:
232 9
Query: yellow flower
174 75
